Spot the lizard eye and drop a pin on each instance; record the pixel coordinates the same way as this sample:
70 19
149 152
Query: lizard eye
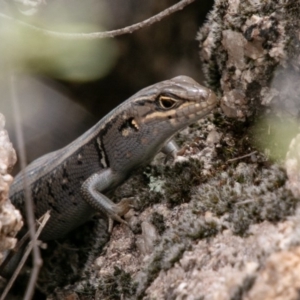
166 102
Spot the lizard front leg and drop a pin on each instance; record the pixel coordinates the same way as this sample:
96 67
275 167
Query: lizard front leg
91 191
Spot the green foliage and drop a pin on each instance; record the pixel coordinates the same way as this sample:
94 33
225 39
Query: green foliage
28 50
273 136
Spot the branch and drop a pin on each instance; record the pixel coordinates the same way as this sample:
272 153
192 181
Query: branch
106 34
37 261
241 157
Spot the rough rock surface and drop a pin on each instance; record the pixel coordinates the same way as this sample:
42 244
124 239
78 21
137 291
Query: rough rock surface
205 227
10 218
249 53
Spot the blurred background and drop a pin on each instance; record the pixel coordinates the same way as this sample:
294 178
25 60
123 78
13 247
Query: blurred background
66 86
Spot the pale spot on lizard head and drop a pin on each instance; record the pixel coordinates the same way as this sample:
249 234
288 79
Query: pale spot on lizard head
135 124
125 132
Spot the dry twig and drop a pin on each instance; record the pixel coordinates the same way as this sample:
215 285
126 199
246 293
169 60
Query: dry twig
37 261
30 288
241 157
106 34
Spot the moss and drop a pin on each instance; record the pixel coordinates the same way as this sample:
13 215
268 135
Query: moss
67 260
150 273
240 291
177 257
180 180
138 186
248 195
116 286
158 221
189 227
240 194
205 230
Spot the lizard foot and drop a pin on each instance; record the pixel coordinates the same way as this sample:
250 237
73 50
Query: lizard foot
120 209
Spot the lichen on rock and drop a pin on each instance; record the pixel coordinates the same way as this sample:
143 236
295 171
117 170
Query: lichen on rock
211 230
10 218
246 47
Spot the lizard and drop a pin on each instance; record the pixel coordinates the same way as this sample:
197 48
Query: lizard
75 182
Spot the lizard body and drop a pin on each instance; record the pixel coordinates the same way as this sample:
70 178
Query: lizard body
75 182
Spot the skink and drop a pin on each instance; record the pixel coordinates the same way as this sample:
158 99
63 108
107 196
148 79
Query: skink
76 181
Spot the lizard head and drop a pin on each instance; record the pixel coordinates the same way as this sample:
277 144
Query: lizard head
152 116
173 104
169 106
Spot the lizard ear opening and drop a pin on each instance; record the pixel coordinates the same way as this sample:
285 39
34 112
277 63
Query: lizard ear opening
166 102
128 126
